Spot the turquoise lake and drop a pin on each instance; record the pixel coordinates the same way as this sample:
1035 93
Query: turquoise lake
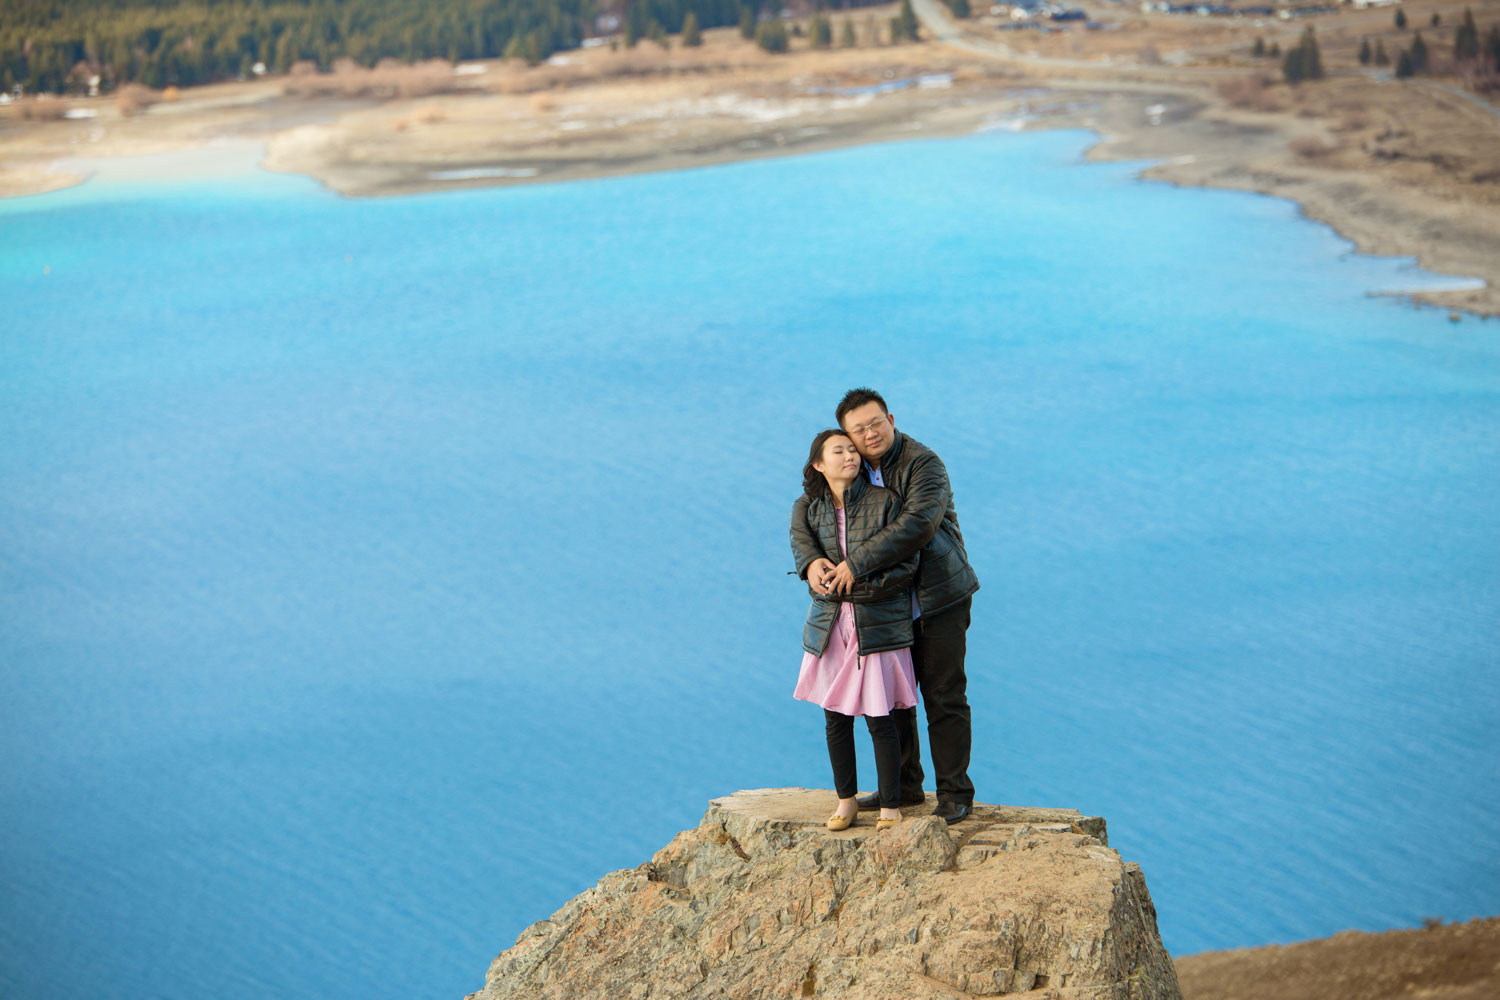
375 575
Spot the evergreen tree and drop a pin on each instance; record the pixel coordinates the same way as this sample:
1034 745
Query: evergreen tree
1381 59
1492 46
285 55
1466 39
1403 66
904 24
846 35
691 36
1259 48
960 8
1312 59
771 35
821 31
1418 54
1304 62
1400 19
1365 52
638 22
747 22
1274 51
658 34
1291 66
1437 19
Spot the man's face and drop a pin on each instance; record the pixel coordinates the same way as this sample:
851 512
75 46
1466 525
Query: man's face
872 429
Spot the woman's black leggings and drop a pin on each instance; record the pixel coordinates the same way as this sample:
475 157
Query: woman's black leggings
840 730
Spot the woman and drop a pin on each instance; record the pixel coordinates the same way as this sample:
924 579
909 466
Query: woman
857 644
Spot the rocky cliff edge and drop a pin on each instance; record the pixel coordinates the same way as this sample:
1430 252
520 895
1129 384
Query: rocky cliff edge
760 901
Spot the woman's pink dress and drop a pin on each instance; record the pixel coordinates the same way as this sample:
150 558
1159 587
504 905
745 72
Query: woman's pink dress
843 681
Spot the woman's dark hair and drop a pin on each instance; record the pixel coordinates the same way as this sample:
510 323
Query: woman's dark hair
813 483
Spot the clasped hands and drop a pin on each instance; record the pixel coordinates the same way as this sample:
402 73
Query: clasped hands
826 578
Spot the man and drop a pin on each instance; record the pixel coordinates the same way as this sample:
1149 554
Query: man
941 599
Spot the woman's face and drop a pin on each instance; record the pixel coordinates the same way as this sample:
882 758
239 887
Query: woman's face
840 459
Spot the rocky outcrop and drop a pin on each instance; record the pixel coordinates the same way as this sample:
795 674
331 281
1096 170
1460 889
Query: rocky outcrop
760 901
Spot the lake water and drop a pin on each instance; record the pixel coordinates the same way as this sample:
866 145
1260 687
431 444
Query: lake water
376 575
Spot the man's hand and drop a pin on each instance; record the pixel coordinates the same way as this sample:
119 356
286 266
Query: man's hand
818 573
842 580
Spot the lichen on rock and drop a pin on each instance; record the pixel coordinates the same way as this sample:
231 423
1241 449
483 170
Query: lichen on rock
761 901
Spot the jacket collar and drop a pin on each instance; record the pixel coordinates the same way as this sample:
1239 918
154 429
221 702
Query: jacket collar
855 491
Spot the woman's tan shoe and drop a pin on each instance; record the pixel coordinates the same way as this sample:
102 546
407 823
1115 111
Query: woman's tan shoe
837 822
885 824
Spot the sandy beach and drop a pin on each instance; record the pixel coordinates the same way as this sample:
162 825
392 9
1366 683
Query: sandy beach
1407 168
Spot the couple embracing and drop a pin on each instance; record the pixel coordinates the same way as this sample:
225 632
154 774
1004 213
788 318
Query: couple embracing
875 535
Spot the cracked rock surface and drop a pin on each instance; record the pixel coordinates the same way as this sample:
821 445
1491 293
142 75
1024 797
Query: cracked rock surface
759 900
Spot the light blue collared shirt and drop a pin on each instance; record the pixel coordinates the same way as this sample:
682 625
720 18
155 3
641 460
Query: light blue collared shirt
876 479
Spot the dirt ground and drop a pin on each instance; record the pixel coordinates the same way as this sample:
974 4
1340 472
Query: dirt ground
1449 962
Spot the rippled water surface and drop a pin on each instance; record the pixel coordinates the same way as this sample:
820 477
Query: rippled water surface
375 575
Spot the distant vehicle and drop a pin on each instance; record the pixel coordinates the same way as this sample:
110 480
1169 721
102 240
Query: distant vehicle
1075 14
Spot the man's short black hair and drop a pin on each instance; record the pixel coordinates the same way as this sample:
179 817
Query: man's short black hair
854 399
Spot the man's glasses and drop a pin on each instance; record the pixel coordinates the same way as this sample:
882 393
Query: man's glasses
867 428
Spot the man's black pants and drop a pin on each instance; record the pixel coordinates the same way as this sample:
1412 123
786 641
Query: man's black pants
938 659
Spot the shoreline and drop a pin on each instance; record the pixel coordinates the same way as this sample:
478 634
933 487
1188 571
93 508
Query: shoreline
600 114
1438 961
1441 238
1451 281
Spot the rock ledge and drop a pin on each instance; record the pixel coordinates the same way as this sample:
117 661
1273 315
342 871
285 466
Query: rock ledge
759 900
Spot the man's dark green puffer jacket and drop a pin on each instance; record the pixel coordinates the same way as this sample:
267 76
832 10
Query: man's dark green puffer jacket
927 525
882 602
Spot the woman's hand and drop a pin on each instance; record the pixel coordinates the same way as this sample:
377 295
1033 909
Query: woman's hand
842 580
818 573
